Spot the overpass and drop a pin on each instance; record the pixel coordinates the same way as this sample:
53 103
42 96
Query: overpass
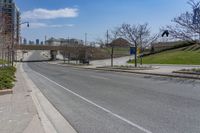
54 49
43 47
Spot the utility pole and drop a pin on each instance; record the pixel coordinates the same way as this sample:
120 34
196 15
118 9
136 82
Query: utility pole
65 55
85 46
112 48
45 39
68 51
85 39
107 36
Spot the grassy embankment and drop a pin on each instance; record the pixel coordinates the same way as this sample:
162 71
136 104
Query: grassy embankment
105 53
7 77
189 55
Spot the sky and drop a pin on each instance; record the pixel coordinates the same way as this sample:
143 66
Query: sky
74 18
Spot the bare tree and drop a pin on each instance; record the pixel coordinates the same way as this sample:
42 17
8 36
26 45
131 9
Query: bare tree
1 37
107 44
138 35
101 42
187 25
194 4
5 38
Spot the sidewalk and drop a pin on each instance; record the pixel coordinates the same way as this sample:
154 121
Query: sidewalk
167 69
18 113
157 70
43 116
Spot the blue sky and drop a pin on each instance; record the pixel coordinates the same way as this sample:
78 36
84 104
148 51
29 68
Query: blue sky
74 18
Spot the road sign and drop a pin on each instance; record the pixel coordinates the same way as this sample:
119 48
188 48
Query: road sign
196 17
132 51
139 51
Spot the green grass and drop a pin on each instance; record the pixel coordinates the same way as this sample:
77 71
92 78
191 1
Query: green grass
7 77
2 61
179 56
119 51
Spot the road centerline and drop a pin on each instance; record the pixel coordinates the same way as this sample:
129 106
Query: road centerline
96 105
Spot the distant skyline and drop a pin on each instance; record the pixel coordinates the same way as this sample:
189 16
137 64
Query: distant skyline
74 18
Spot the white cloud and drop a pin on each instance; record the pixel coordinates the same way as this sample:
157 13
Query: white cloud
50 14
60 26
37 25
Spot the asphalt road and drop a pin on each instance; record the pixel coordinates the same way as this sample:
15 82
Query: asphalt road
108 102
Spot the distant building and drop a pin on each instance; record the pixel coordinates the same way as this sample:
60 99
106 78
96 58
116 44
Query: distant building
53 42
120 42
41 43
74 41
24 41
37 42
57 42
31 42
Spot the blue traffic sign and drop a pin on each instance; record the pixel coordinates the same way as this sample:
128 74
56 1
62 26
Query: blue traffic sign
132 51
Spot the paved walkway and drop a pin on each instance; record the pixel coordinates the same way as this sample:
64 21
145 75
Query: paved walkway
17 111
168 69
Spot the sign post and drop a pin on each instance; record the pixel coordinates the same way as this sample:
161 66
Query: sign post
133 51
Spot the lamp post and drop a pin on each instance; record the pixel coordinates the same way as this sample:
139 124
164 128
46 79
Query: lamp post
28 24
17 34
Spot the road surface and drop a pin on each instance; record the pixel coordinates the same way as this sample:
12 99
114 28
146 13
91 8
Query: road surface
108 102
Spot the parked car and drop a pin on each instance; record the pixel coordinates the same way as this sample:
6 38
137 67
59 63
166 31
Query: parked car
85 61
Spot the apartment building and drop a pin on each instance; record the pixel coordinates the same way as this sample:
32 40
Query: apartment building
9 28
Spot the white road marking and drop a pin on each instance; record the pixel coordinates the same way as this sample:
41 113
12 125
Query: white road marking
94 104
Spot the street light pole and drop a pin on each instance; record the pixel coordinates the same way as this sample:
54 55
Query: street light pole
28 24
18 28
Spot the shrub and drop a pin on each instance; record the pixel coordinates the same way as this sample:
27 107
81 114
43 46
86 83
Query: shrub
7 77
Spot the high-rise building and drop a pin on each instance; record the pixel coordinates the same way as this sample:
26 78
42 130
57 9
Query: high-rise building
10 23
10 17
25 41
37 42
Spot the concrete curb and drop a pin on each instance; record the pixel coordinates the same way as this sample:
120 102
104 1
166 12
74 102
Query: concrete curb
47 125
52 121
177 65
143 73
7 91
155 74
190 73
